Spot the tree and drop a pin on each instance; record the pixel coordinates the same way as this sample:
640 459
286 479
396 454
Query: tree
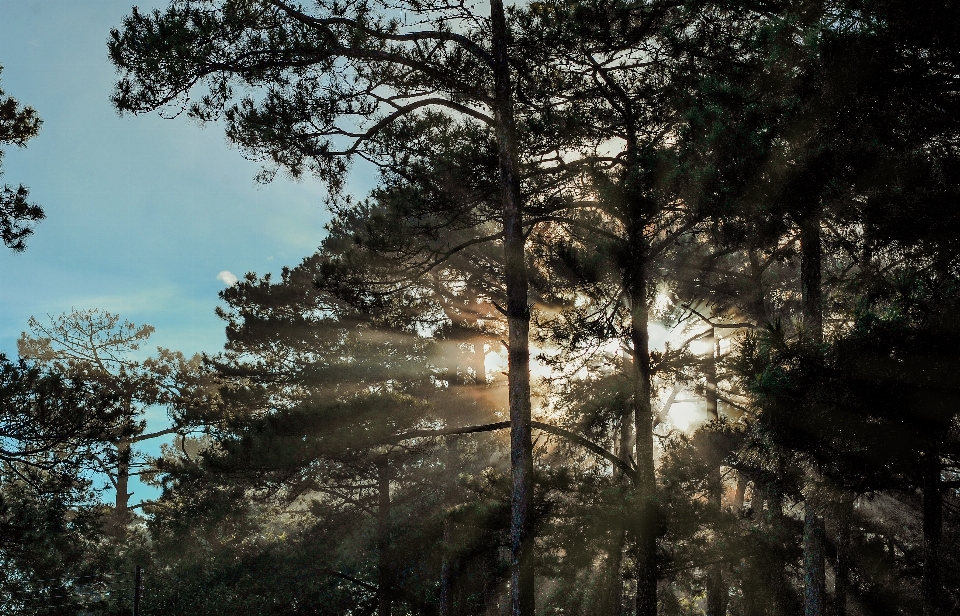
821 148
51 426
94 346
323 410
18 125
615 60
358 65
49 421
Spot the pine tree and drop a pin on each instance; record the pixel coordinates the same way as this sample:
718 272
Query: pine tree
94 346
18 125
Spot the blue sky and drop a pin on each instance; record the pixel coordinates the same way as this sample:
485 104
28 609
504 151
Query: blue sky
142 212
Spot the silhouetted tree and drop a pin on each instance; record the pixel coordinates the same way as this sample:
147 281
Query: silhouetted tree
18 125
93 345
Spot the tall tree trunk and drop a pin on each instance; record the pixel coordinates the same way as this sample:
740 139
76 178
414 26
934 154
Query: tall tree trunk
717 594
384 565
932 536
614 599
615 557
842 568
710 374
776 600
625 440
479 359
518 323
479 362
736 507
646 539
448 565
446 574
814 569
124 451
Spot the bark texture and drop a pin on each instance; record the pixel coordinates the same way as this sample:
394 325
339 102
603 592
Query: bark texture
932 538
842 566
518 323
814 563
814 571
717 595
646 528
446 575
384 569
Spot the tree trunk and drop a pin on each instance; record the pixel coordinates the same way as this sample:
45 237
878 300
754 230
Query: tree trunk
710 374
518 323
625 440
766 591
451 566
814 570
121 509
446 575
122 502
775 601
479 362
646 533
479 358
738 497
614 599
717 594
615 557
814 567
842 568
932 536
384 568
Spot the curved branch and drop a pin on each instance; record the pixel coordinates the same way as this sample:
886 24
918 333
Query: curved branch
567 434
716 325
401 111
434 35
586 444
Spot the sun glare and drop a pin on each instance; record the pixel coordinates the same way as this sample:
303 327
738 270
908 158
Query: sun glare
703 346
685 415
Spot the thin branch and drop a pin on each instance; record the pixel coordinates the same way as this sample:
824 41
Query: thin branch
500 425
717 325
146 437
435 35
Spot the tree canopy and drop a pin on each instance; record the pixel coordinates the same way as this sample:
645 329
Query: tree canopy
18 125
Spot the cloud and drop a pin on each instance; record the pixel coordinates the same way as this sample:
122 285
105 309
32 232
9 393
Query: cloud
227 277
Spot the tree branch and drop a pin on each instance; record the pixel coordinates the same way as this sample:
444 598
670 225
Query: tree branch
434 35
500 425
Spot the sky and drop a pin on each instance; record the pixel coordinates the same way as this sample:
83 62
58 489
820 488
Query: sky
143 213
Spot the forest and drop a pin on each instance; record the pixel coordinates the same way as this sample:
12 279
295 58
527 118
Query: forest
654 310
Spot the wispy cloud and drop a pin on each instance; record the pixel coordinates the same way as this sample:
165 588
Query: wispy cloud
227 277
128 303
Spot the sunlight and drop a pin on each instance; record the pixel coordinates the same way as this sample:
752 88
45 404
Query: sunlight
702 346
661 302
686 416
